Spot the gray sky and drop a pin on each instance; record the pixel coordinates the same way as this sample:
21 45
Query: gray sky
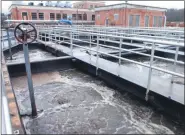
163 4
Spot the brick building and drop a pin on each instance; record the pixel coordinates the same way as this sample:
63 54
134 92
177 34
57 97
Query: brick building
88 4
130 15
38 12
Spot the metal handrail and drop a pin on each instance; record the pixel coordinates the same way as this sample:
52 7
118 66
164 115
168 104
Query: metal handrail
6 122
129 38
128 50
152 67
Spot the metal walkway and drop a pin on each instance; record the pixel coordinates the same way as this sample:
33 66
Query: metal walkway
56 37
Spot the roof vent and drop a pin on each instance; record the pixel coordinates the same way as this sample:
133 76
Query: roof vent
31 4
40 4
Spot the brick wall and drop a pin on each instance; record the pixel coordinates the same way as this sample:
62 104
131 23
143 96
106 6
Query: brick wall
17 13
123 19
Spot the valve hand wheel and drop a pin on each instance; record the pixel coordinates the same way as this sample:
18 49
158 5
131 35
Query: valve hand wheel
27 35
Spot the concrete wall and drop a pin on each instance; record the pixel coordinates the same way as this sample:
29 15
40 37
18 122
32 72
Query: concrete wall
123 19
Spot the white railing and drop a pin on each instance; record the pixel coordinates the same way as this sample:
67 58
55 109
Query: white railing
6 122
72 32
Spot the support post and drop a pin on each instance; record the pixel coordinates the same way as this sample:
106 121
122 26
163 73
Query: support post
174 69
71 41
119 62
175 63
9 43
29 79
97 56
90 47
150 71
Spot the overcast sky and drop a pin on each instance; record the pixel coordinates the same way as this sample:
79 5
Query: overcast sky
163 4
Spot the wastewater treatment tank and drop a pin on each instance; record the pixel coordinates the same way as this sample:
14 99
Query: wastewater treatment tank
71 99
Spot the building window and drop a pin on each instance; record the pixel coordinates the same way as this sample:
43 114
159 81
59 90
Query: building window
134 20
52 16
116 17
24 16
74 16
64 16
41 16
34 16
96 6
91 6
81 6
79 17
93 17
85 16
137 20
131 17
160 21
98 17
146 21
58 16
155 21
69 17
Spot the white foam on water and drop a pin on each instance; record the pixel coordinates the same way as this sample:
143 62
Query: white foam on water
107 95
143 125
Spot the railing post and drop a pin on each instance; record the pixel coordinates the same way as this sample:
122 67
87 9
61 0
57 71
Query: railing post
90 48
50 35
55 32
175 63
9 43
3 44
97 56
119 62
45 36
71 41
174 69
150 71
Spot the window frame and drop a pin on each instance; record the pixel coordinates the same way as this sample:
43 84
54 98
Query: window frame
148 21
26 15
84 16
130 21
50 16
93 17
136 20
64 15
116 19
39 16
154 21
160 21
57 16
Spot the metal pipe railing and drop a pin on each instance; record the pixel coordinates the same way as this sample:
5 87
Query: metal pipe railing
112 38
131 38
128 50
6 122
159 69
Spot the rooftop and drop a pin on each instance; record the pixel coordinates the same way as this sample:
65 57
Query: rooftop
90 2
121 5
46 7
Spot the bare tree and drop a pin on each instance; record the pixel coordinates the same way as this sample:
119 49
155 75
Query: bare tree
175 15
